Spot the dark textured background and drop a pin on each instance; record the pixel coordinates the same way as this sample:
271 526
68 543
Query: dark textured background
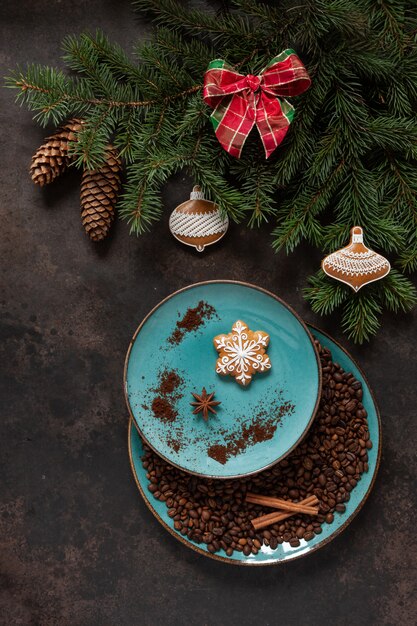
78 546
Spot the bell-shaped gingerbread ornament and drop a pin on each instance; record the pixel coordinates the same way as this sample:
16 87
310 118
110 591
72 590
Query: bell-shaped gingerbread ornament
356 265
198 222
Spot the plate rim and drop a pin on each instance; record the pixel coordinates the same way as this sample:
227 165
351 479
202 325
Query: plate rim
303 325
321 544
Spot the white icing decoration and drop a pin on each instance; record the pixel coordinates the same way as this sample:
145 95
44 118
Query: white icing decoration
196 195
356 263
242 353
198 224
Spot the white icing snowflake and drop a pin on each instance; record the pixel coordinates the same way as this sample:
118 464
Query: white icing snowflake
242 353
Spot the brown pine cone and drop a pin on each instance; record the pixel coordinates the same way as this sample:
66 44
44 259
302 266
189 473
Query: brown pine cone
51 159
99 189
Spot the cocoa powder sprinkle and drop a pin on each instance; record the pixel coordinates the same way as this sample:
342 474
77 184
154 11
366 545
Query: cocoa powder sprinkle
163 404
163 409
258 430
174 444
192 320
219 453
170 381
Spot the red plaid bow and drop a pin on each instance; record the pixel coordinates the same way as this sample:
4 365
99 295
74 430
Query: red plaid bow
240 102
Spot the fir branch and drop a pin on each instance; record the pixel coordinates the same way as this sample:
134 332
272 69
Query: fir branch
194 55
49 90
397 292
349 157
175 15
103 51
129 130
361 317
360 312
141 203
383 233
404 204
257 187
89 151
297 220
325 295
407 260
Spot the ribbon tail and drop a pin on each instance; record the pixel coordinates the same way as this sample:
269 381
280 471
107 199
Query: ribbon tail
232 120
273 118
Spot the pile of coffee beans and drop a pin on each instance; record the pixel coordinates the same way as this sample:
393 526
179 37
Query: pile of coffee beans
328 463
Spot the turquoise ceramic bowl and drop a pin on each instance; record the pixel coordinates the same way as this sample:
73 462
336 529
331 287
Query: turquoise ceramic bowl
284 552
287 395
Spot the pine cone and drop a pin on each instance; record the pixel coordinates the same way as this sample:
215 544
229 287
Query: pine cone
99 189
51 159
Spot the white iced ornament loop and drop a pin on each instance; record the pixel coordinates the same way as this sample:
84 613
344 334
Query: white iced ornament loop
356 235
196 193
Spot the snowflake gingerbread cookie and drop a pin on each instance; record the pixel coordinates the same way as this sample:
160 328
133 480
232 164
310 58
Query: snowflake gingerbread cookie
242 353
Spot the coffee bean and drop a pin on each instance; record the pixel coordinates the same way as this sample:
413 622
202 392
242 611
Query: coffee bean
328 464
308 463
350 406
322 480
273 543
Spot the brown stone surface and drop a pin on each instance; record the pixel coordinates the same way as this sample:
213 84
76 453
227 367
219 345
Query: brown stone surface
77 544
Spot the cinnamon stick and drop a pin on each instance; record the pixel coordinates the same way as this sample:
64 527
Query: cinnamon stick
279 503
277 516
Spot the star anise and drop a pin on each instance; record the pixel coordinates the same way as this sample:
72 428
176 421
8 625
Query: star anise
204 403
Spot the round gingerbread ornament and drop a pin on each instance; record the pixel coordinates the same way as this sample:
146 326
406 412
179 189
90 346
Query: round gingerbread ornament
198 222
356 265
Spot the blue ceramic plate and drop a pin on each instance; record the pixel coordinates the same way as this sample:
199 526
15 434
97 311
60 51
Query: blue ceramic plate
284 552
283 400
